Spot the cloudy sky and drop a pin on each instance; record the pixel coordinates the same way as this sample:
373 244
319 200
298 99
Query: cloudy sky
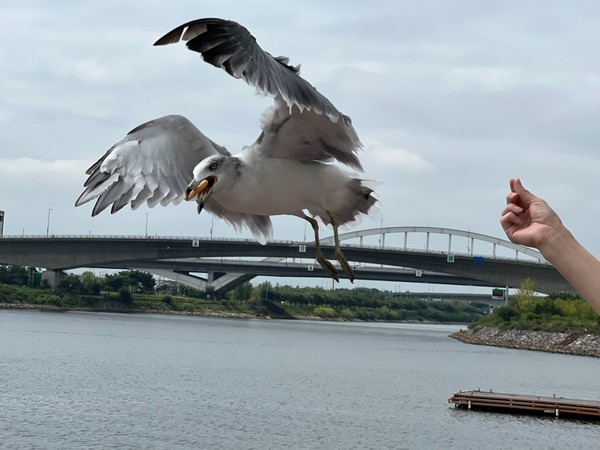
450 98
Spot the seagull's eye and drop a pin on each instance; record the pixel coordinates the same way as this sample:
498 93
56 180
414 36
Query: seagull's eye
213 166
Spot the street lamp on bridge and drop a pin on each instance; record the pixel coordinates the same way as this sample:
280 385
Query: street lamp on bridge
48 223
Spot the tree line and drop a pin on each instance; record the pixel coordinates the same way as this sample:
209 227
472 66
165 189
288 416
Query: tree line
525 309
87 283
559 312
263 299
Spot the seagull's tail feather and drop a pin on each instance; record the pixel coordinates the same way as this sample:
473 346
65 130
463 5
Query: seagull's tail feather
365 198
360 201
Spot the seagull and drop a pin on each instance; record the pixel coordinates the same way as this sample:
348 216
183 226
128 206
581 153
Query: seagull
289 170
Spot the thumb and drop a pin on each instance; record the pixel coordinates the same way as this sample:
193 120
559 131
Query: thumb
525 196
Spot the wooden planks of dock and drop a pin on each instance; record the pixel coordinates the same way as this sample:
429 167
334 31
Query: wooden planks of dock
526 404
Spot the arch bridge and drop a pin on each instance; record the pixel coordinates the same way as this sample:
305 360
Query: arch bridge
398 254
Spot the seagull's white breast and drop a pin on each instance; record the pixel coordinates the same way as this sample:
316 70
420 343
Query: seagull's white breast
273 186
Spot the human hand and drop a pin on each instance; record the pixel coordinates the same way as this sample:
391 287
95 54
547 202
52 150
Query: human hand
527 219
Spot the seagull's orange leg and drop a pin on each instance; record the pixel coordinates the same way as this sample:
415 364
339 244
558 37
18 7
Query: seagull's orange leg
325 264
338 251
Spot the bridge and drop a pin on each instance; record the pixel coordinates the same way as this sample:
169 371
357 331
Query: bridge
231 262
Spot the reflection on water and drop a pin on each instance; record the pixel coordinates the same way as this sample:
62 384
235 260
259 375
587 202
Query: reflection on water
91 380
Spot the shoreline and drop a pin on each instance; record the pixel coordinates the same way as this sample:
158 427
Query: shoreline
119 309
579 344
125 310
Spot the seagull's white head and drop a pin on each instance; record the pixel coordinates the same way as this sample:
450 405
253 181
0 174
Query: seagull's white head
208 173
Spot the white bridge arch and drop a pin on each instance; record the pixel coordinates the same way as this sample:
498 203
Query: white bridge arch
428 231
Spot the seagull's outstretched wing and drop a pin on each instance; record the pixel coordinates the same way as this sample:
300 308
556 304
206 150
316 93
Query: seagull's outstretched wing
304 124
230 46
153 163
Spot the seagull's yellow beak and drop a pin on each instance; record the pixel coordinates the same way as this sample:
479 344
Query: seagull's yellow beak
201 189
195 189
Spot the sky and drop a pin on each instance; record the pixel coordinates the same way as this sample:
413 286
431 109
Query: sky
450 99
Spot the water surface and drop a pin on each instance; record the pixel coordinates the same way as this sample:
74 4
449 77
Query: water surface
94 380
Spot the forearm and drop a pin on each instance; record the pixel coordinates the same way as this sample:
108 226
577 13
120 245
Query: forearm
579 267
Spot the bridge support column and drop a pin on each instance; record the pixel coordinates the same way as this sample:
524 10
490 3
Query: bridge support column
186 279
53 277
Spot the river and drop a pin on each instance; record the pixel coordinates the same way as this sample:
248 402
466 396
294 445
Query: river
113 381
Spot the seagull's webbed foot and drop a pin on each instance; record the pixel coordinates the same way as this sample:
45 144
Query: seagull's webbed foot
344 263
320 257
328 267
338 251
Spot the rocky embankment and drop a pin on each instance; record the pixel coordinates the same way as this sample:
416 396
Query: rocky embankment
569 343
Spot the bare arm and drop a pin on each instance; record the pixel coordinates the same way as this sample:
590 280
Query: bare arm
528 220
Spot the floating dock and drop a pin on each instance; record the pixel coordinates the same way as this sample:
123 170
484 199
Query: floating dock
527 404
